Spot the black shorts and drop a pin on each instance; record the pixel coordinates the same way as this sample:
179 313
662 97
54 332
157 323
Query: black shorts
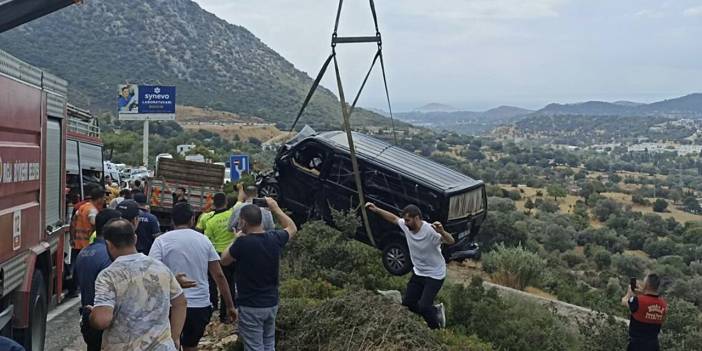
196 320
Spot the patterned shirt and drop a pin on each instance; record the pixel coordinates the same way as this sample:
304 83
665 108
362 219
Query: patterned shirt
140 290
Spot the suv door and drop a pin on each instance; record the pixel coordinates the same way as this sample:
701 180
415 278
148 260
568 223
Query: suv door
339 188
299 176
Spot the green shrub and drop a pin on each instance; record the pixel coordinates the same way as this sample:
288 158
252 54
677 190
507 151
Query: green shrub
515 267
506 324
682 329
600 332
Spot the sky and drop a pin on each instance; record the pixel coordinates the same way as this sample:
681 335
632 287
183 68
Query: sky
479 54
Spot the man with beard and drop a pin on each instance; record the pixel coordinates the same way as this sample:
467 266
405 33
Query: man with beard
424 241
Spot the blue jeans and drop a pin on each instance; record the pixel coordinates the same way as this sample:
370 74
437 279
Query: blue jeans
257 327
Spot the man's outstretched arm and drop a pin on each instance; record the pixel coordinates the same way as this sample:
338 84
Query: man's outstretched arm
386 215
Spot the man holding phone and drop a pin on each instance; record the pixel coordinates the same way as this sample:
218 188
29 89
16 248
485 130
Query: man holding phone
249 195
648 311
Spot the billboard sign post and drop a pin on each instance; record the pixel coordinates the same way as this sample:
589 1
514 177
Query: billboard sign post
146 103
238 165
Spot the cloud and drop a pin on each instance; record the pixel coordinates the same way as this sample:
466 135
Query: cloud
482 9
649 14
693 11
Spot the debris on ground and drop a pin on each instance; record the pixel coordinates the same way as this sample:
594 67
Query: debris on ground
218 336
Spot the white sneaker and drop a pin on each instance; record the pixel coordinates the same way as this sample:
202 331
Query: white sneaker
441 314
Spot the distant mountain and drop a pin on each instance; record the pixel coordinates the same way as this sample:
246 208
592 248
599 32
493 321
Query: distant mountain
590 108
628 103
214 64
469 122
689 106
435 107
505 112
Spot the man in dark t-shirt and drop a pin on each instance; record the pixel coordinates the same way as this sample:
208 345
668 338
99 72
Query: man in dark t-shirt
149 227
257 256
648 311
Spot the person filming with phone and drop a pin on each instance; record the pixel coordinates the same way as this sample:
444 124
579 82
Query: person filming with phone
648 311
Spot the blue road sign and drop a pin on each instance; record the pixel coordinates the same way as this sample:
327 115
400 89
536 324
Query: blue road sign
238 165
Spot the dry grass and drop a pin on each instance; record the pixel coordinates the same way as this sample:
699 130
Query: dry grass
567 204
243 130
672 212
191 114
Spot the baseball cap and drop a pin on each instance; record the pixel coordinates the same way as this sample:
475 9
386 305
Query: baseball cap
129 209
140 198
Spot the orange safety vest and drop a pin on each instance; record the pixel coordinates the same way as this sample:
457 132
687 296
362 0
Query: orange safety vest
83 228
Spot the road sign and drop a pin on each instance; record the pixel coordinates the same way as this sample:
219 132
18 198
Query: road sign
146 102
238 165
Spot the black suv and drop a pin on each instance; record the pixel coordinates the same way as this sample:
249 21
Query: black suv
313 173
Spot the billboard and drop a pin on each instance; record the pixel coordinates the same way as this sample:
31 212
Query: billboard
146 102
238 165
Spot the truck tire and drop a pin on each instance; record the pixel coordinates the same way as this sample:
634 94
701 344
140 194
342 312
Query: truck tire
396 258
34 337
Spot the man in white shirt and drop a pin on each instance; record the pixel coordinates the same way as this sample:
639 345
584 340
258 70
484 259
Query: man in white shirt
187 251
424 241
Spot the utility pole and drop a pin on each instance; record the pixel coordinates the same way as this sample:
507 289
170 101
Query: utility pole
146 143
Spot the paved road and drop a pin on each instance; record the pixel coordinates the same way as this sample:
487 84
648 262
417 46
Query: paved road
62 329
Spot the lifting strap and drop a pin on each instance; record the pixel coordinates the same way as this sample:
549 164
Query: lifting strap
347 111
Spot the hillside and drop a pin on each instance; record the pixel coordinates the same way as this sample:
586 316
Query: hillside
214 64
689 106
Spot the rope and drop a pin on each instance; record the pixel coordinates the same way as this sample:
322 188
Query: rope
338 15
352 150
387 94
358 95
375 16
320 75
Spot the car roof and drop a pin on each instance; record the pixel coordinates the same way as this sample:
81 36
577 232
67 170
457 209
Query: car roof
409 164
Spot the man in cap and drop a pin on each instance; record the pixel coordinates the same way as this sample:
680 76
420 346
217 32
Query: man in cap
149 227
89 263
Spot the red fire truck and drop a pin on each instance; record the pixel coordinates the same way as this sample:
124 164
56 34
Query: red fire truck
33 225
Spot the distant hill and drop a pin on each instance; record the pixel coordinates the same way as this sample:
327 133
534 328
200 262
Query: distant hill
214 64
435 107
689 106
469 122
505 113
628 103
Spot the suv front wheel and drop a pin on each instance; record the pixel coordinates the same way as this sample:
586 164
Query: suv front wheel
396 258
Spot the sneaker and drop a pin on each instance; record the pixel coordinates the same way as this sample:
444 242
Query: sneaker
441 314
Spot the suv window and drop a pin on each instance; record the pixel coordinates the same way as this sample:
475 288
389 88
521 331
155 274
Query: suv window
309 158
341 173
398 191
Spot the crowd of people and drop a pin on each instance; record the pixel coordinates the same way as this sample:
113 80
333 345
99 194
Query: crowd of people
143 290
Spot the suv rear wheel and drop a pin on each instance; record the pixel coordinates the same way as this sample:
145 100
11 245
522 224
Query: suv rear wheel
396 258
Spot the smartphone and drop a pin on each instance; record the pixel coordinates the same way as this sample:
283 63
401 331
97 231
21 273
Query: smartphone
632 284
260 202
